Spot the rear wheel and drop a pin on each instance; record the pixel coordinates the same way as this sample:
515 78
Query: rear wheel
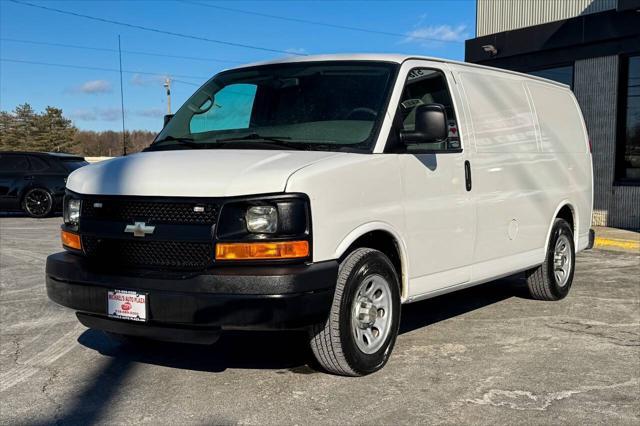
37 202
361 330
552 280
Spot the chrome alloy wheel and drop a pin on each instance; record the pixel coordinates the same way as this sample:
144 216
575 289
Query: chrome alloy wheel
562 260
371 314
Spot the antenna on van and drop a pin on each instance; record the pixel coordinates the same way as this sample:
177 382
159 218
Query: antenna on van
124 140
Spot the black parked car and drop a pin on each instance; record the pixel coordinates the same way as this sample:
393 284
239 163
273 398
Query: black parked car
34 181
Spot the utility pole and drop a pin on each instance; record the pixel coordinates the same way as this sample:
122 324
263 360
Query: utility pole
124 140
167 85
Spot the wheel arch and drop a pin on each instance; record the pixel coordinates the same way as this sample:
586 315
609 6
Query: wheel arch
565 210
380 236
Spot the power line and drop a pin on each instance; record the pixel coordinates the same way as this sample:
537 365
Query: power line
184 82
150 29
105 49
83 67
318 23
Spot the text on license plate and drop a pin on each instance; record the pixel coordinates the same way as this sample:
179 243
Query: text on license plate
125 304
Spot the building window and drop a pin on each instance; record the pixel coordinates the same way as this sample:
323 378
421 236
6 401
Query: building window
562 75
629 135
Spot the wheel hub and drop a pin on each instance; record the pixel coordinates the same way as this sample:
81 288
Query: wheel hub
562 260
371 313
367 313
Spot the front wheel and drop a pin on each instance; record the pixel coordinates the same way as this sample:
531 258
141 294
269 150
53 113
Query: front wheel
358 337
552 280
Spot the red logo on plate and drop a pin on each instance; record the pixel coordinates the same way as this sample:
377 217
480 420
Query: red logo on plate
125 306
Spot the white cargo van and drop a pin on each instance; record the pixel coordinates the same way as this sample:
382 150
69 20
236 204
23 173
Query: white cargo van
321 193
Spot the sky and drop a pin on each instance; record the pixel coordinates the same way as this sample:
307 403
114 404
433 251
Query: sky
91 97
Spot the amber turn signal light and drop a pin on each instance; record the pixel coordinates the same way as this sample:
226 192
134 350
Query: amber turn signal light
70 240
260 250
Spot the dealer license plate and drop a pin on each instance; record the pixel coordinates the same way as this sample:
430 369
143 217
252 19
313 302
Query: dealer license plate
129 305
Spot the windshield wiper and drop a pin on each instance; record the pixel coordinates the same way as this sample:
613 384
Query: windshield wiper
283 141
181 141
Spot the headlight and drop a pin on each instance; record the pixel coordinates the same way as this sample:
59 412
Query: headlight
262 219
71 212
276 227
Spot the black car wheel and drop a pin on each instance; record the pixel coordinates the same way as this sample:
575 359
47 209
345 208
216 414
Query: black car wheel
37 202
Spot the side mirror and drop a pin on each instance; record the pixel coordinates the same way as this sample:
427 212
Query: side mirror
167 118
431 125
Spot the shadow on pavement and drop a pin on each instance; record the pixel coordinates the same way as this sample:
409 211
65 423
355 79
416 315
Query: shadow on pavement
289 350
421 314
279 351
268 350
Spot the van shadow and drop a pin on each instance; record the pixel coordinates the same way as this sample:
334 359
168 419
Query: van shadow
289 351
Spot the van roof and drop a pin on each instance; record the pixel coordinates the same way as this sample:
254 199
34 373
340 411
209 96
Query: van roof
390 57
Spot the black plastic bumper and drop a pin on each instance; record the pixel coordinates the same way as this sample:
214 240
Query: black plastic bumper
243 297
592 239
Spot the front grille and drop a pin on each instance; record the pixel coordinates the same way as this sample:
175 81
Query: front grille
103 221
178 212
149 254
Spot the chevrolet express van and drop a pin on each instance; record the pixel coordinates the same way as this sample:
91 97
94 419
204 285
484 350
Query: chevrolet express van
322 193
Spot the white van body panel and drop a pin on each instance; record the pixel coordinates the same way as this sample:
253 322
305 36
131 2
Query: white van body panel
529 157
193 173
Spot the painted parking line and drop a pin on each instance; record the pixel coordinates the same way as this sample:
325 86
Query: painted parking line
604 243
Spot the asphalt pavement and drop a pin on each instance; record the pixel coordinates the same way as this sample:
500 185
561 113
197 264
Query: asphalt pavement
486 355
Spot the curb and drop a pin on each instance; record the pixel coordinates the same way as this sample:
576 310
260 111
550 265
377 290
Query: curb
616 244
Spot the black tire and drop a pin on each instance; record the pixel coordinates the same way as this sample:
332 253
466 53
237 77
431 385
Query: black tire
542 281
333 342
37 202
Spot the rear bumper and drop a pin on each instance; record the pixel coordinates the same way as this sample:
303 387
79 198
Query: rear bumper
243 297
592 239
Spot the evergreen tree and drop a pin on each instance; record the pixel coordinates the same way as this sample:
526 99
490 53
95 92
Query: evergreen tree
25 130
57 132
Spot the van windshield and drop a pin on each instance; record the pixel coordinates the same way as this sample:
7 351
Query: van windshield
332 106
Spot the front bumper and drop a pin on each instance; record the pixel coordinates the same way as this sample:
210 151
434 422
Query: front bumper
225 298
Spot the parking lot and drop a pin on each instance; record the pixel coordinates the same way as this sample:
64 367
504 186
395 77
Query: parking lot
481 356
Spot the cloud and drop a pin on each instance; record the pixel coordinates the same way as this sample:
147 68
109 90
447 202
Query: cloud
92 87
150 112
113 114
96 114
147 80
437 33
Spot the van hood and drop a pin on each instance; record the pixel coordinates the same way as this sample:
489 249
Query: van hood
193 173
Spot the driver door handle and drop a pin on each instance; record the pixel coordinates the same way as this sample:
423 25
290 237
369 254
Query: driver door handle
467 174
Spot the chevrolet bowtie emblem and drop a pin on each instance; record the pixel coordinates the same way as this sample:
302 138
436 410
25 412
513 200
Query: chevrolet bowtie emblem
139 229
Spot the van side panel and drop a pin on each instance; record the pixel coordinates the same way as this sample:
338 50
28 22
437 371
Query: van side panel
564 144
512 202
530 158
559 120
348 192
501 115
